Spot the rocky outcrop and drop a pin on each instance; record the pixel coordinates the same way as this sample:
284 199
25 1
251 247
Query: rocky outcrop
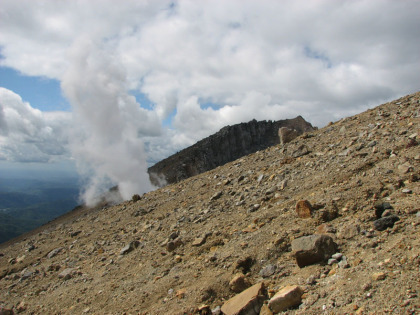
229 144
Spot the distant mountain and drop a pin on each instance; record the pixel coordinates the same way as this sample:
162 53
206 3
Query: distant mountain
28 203
229 144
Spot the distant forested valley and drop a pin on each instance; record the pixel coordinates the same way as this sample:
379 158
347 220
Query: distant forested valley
26 203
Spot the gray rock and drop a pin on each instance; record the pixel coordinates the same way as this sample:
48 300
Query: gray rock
268 271
343 263
313 249
254 208
129 247
386 222
54 252
300 151
27 274
337 256
66 274
217 195
371 144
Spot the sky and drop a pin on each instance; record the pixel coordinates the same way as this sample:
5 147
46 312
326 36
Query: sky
107 88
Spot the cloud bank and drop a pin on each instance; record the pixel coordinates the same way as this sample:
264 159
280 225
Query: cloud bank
201 65
29 135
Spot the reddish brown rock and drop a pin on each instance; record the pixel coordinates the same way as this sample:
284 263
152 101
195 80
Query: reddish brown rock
304 209
248 302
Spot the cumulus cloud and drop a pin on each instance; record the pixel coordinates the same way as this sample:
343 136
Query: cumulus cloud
206 64
29 135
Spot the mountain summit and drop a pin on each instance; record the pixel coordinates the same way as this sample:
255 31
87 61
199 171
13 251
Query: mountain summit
326 223
229 144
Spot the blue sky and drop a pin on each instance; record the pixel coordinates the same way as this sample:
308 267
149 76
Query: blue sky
43 93
69 71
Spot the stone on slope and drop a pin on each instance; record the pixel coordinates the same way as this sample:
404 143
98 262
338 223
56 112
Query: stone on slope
248 302
66 273
380 207
303 209
287 297
386 222
312 249
174 244
54 252
129 247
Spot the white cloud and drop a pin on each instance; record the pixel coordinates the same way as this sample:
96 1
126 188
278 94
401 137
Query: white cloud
250 59
27 134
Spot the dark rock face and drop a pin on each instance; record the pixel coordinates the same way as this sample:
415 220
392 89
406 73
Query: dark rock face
229 144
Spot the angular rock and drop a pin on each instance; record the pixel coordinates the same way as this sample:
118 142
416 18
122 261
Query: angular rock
247 302
66 274
54 252
312 249
268 271
349 231
27 274
303 209
378 276
129 247
386 222
239 283
217 195
287 297
198 241
343 263
300 151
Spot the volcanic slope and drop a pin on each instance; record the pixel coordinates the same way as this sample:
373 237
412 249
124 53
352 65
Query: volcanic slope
176 249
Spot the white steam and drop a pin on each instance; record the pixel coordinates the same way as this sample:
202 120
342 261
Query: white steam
108 123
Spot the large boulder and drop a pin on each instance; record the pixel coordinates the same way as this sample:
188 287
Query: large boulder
313 249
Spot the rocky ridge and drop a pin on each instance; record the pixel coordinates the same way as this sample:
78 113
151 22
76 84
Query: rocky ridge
325 224
229 144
